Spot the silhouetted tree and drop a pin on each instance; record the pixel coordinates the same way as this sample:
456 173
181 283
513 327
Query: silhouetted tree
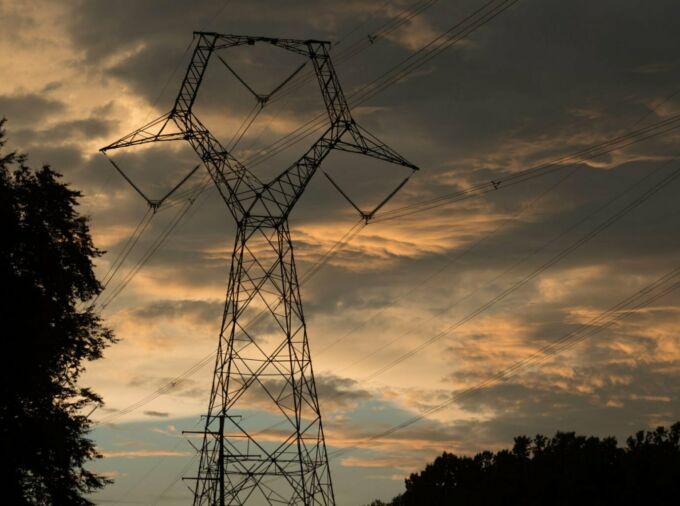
46 273
564 470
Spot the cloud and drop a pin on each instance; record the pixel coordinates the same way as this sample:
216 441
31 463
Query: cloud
335 393
133 454
29 108
157 414
65 132
201 311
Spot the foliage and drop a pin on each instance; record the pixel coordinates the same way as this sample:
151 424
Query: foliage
564 470
46 274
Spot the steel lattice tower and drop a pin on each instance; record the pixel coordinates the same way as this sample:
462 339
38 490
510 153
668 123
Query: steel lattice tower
269 368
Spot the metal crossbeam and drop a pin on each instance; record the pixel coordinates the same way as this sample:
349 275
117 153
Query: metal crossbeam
267 367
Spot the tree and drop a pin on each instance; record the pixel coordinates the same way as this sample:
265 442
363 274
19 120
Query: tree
46 275
564 470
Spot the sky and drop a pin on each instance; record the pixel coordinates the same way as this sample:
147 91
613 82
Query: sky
506 312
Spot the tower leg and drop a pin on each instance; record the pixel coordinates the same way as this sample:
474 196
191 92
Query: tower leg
263 437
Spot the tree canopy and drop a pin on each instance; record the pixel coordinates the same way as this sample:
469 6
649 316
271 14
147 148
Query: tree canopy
46 274
563 470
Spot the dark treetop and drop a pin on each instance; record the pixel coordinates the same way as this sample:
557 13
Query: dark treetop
46 274
564 470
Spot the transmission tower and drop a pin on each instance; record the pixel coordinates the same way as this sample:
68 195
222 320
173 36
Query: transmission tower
263 364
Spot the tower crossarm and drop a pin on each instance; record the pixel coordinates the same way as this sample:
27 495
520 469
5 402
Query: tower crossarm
154 131
364 143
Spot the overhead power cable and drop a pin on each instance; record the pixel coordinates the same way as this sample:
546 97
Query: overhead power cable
554 239
171 385
641 299
124 252
366 41
145 476
646 195
159 241
647 132
440 269
592 152
609 144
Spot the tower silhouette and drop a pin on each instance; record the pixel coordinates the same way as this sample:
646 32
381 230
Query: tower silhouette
265 365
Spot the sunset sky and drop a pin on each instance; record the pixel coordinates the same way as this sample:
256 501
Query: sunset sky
412 311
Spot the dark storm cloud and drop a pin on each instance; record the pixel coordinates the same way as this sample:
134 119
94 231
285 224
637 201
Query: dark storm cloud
66 131
577 207
61 158
91 128
516 81
543 71
337 390
29 108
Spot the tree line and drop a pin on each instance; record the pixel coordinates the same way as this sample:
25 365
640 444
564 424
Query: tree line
566 469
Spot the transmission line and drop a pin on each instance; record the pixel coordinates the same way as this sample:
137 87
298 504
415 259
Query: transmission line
170 385
160 240
506 271
594 151
448 263
377 35
174 382
665 181
603 321
122 255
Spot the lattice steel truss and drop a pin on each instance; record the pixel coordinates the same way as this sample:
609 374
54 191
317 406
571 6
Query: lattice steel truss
266 364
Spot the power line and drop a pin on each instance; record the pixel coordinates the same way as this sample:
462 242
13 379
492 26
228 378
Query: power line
593 151
646 195
151 469
169 386
448 263
160 240
603 321
554 239
365 42
543 169
125 252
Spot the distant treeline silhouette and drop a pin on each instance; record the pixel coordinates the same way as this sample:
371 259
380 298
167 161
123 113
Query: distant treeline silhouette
563 470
